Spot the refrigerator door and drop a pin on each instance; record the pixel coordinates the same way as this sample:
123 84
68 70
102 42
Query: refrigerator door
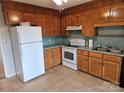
28 34
32 60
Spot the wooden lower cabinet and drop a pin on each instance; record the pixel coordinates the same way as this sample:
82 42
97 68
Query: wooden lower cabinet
48 59
52 57
95 66
57 56
83 63
104 66
111 71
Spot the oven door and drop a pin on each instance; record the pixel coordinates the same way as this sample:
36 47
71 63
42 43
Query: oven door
69 55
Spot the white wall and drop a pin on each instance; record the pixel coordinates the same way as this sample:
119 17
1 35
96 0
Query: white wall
6 48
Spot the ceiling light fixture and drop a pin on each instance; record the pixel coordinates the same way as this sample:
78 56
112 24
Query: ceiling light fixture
60 3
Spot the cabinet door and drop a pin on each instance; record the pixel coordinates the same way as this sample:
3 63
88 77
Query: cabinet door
117 12
95 66
57 56
83 63
88 29
69 20
102 15
48 59
111 71
63 25
50 25
41 21
12 17
57 30
28 17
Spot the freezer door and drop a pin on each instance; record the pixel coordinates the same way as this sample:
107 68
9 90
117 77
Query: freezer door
27 34
32 60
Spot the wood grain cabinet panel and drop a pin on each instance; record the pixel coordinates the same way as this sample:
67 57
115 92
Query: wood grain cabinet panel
111 71
52 57
117 12
95 66
41 21
12 17
83 63
57 30
95 55
112 58
102 15
28 17
83 52
57 56
50 25
48 59
87 21
63 25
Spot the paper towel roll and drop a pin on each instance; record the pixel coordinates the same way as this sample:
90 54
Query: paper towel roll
91 43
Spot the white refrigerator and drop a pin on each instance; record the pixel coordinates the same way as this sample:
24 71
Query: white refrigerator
28 51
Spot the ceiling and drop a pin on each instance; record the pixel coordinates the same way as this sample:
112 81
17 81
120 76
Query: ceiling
51 4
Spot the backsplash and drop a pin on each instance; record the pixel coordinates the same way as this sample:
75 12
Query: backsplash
114 41
111 31
112 36
52 40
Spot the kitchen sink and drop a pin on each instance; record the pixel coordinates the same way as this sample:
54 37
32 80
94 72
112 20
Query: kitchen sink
110 50
102 49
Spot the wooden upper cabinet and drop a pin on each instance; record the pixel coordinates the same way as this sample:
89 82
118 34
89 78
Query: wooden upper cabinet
12 17
87 19
102 15
28 17
117 12
41 21
68 20
111 71
63 25
72 20
57 30
50 25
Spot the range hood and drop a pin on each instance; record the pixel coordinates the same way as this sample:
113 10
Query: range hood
71 28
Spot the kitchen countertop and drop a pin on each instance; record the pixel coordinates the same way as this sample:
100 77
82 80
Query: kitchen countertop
81 48
52 46
87 49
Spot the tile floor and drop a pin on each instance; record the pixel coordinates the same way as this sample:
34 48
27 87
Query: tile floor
60 79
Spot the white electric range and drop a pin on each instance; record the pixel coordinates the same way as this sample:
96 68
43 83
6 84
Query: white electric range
69 53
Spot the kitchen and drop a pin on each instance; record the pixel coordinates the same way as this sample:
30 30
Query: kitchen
99 22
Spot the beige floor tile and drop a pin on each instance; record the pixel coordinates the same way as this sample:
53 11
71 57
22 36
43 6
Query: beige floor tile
60 79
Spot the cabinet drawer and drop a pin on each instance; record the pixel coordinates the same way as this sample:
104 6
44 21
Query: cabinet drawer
82 58
112 58
83 52
96 55
56 50
48 50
